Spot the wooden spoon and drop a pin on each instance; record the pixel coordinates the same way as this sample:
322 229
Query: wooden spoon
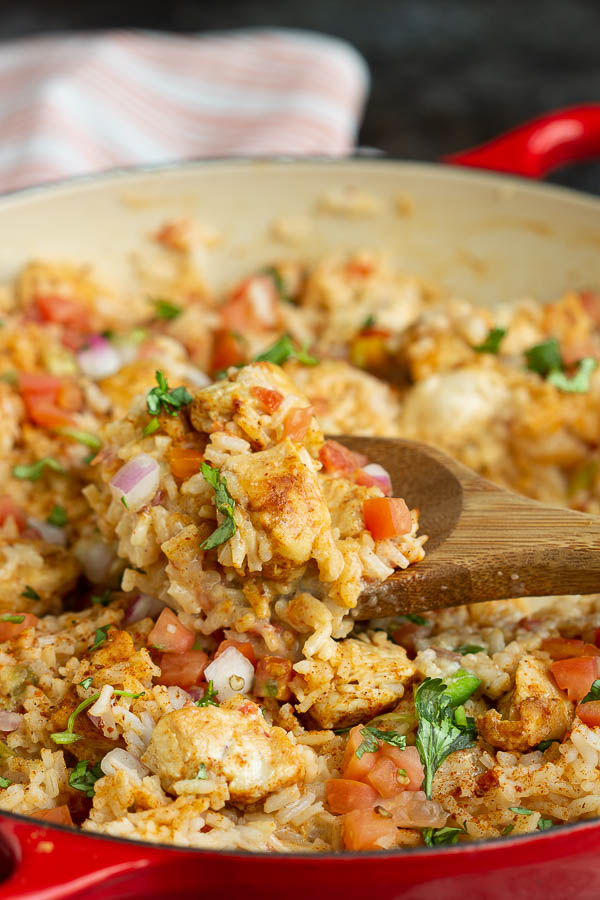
485 543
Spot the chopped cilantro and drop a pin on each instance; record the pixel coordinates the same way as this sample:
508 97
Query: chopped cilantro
83 437
5 782
284 349
271 688
449 834
164 399
30 593
342 730
579 383
152 426
84 777
372 737
124 501
508 829
86 683
100 637
543 745
166 310
464 649
36 469
279 283
544 358
415 619
438 733
202 774
593 693
368 323
225 505
544 824
14 620
521 810
208 698
58 516
492 341
103 599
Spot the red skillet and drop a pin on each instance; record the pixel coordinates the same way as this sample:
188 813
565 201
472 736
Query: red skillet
40 861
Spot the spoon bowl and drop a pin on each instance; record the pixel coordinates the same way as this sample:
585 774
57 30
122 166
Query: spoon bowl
485 543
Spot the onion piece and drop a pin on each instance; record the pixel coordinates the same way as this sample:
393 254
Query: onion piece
10 721
136 483
121 760
143 607
52 534
231 673
100 359
374 474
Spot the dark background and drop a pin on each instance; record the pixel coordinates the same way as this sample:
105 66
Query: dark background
445 74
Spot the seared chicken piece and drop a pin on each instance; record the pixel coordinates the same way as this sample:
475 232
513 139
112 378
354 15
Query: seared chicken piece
369 679
536 710
233 741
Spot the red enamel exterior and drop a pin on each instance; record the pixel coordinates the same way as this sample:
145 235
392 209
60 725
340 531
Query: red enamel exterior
540 146
39 861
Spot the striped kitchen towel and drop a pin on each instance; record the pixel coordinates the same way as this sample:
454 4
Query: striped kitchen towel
78 103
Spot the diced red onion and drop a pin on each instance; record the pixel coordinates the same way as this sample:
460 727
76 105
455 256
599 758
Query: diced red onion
143 607
137 481
378 476
10 721
231 673
197 692
121 760
95 720
52 534
96 558
100 359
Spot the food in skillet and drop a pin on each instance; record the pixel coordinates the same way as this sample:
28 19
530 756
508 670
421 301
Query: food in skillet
181 550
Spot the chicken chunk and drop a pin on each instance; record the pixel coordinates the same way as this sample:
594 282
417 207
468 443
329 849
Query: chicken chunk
257 398
369 678
536 710
233 741
279 490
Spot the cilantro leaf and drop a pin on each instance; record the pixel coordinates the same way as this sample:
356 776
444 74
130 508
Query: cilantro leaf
225 505
543 745
5 782
30 593
166 310
369 322
521 810
544 358
508 829
202 773
152 426
449 834
36 469
84 777
579 383
593 693
100 637
208 698
372 737
544 824
163 398
284 349
103 599
492 341
86 683
438 734
279 283
58 516
415 619
83 437
464 649
13 620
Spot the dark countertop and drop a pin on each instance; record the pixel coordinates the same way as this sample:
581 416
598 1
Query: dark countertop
445 75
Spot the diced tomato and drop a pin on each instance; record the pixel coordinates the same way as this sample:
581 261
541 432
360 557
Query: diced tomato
43 411
39 383
74 339
354 768
60 815
253 305
70 396
297 423
243 647
589 713
185 461
228 350
386 517
591 303
359 267
169 635
337 458
10 630
410 761
183 669
364 829
368 350
344 795
273 676
10 510
63 310
567 648
576 676
383 777
270 400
